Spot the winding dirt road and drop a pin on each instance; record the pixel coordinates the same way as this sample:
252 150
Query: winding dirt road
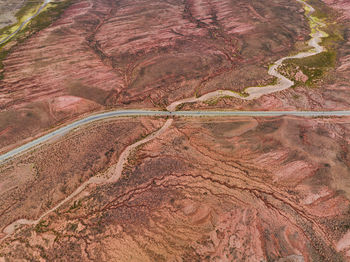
282 82
115 171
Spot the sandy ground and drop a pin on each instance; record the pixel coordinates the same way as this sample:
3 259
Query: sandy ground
7 10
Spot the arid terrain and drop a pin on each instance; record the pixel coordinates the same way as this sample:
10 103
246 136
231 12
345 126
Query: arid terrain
175 188
125 55
236 189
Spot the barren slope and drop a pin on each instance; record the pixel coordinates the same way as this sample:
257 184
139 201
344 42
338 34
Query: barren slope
212 190
37 181
206 189
141 54
329 91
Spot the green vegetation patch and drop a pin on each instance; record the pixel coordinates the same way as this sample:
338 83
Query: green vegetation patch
322 11
321 60
47 16
273 81
72 227
3 55
335 36
42 226
316 67
52 11
76 204
28 10
212 101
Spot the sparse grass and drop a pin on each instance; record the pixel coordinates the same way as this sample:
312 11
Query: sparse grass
324 59
322 11
216 100
72 227
273 81
41 227
63 188
212 101
76 204
180 106
315 67
141 137
25 12
48 15
243 93
3 55
335 36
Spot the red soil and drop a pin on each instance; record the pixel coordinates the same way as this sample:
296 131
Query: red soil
212 190
142 54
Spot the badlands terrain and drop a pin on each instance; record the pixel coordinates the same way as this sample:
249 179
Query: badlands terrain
165 187
140 54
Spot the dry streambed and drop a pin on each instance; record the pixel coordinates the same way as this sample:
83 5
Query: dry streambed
251 93
283 82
